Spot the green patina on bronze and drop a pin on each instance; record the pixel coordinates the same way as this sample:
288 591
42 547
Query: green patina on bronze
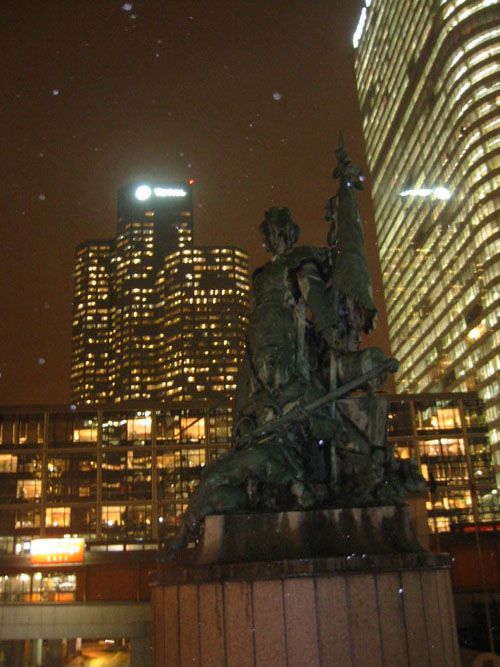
350 273
302 439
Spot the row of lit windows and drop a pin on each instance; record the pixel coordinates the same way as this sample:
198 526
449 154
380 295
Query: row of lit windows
449 127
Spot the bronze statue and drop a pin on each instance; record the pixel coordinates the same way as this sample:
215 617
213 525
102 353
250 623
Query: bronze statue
301 438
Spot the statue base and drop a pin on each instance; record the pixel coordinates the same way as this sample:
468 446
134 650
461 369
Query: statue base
355 609
269 536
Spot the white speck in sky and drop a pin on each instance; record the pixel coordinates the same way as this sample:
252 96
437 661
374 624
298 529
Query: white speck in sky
41 197
41 361
127 6
55 91
277 96
72 407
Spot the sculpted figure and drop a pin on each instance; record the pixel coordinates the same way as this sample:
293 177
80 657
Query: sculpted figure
292 313
301 438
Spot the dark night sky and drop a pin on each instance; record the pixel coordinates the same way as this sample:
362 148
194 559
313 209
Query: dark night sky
95 94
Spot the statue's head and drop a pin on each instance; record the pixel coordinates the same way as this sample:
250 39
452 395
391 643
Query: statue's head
278 229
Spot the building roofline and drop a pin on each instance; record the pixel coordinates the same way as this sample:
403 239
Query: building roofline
83 244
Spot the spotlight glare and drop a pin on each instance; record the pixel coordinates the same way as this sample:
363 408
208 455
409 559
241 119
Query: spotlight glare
143 192
442 193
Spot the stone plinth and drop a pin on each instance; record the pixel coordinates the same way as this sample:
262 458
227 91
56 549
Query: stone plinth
357 610
269 536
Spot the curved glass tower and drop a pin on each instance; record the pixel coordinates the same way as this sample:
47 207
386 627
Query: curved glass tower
427 76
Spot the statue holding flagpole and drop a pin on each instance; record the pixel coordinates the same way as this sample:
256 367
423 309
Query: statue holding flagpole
309 430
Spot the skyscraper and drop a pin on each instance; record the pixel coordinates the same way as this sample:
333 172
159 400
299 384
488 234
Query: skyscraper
427 76
203 305
90 359
155 317
153 221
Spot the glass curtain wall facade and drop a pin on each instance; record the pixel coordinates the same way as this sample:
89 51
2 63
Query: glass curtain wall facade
447 435
428 88
154 316
149 226
111 476
91 342
122 478
203 318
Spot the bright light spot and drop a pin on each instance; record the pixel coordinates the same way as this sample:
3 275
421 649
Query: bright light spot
127 6
277 96
143 192
417 192
55 91
439 192
169 192
442 193
41 197
41 361
494 491
359 28
474 334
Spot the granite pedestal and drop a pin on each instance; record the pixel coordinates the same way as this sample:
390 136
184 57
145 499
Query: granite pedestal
362 598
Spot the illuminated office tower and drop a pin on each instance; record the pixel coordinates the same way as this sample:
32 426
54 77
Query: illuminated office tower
175 315
203 316
427 76
153 220
91 323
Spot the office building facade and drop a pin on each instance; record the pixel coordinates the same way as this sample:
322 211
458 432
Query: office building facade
428 87
149 303
116 476
202 315
119 479
91 340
